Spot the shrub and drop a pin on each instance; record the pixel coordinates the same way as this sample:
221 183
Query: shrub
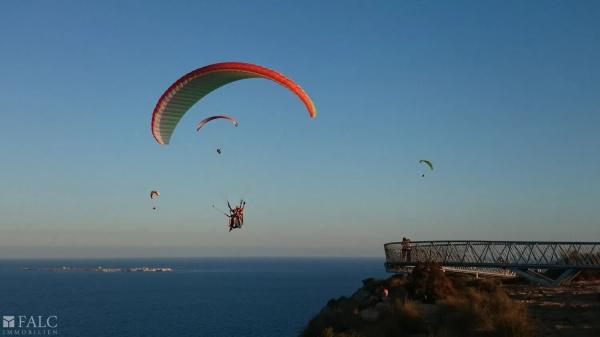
408 317
340 315
483 311
429 283
464 307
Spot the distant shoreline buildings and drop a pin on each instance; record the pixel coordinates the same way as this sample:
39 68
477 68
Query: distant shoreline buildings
100 269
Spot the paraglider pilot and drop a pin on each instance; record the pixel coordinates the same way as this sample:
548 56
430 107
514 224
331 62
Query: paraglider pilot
406 249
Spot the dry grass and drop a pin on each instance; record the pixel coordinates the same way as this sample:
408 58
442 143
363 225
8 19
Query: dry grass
408 317
406 310
340 315
403 320
329 332
588 275
483 309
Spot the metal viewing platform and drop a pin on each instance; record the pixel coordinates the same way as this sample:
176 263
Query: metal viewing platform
499 258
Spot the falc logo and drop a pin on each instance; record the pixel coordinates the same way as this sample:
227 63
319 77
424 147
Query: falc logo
8 321
30 322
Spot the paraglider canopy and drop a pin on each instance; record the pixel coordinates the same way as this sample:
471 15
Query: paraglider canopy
212 118
192 87
427 162
154 194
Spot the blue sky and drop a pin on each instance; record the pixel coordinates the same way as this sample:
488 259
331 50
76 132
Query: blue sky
501 96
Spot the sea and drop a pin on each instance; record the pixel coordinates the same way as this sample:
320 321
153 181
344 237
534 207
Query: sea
212 297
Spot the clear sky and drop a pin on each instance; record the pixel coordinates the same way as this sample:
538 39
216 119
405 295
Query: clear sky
503 97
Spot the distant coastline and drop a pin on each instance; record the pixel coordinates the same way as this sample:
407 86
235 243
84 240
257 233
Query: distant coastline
101 269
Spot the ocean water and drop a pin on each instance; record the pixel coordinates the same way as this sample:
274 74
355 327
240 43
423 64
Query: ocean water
212 297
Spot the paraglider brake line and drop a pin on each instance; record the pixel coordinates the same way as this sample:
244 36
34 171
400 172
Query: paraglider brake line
219 210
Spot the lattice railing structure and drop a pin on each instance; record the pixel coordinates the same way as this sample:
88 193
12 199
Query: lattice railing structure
522 257
496 272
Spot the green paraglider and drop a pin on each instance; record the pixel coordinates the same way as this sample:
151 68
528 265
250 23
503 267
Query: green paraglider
428 163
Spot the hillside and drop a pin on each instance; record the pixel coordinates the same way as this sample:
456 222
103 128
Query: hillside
431 303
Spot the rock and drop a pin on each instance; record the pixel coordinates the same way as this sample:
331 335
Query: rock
426 309
370 284
326 310
362 297
369 315
398 293
383 307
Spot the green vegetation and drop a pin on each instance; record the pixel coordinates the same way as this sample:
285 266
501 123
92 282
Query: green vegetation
427 303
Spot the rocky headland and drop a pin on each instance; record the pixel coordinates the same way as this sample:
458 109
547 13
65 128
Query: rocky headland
429 302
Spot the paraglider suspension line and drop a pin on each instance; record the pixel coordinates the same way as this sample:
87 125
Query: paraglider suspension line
218 210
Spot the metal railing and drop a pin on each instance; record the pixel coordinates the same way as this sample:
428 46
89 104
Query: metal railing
497 254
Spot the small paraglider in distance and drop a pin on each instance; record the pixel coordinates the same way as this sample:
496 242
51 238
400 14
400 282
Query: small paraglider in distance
212 118
428 163
154 194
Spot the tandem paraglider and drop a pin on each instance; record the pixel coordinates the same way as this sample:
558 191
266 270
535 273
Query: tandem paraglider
235 215
184 93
